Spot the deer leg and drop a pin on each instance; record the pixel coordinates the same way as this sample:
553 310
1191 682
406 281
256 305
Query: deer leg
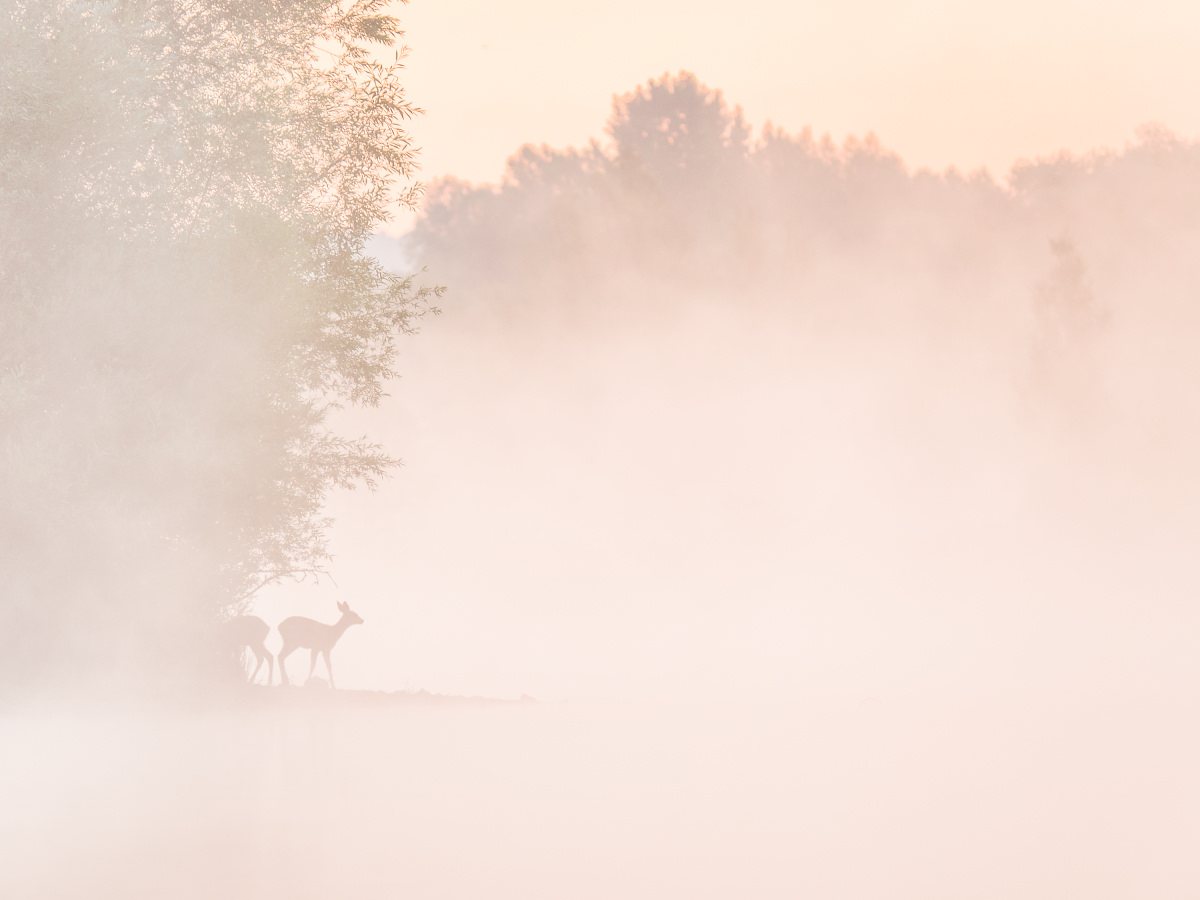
284 654
329 669
270 670
312 663
258 661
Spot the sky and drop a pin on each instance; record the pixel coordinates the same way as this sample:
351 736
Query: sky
944 83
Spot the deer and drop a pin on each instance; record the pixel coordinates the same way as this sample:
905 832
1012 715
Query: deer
298 632
250 632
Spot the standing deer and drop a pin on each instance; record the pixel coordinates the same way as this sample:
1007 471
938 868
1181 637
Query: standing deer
250 632
318 637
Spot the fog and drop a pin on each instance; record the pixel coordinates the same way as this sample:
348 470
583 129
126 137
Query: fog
530 801
774 521
919 435
734 511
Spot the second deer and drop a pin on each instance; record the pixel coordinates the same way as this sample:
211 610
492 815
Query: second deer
298 632
250 633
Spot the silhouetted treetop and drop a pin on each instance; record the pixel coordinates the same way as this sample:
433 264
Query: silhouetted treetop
677 136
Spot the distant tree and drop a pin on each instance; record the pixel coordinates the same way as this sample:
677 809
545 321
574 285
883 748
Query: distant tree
1069 321
1064 300
678 136
186 187
667 186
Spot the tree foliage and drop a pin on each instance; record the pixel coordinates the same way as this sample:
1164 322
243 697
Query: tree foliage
680 192
678 202
186 187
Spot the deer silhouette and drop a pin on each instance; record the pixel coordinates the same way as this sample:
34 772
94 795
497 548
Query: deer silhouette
298 632
250 632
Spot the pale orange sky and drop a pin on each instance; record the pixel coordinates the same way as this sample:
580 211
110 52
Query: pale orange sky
942 82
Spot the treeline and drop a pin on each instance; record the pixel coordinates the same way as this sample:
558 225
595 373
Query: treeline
682 201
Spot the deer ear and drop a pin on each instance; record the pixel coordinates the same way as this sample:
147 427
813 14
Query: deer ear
342 607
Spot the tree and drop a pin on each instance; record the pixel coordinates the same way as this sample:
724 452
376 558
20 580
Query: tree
186 188
679 137
1070 320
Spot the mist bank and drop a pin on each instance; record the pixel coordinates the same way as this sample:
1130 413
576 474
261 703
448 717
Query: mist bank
719 414
587 802
1063 294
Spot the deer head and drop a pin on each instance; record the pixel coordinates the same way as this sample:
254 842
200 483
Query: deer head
350 615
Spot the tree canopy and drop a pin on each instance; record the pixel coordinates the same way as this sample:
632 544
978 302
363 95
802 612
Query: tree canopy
185 193
1055 301
680 200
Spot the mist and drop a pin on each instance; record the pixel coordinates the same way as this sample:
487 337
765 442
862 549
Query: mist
773 520
925 435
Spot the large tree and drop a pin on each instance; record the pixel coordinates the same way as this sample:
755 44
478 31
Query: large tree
186 188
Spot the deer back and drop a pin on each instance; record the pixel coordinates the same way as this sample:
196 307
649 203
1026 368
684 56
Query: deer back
299 631
246 631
